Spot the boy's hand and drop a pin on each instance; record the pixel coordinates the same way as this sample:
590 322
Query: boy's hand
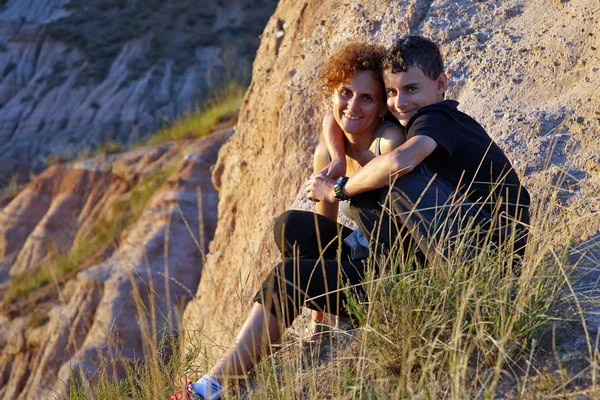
335 169
319 187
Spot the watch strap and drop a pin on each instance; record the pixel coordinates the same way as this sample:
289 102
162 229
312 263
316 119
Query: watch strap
338 188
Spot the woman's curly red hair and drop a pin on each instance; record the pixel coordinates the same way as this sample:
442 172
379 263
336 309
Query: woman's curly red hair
349 60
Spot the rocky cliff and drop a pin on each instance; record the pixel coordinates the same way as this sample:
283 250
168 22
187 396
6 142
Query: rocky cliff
88 244
75 74
528 70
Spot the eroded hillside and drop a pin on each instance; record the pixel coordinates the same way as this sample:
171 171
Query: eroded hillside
76 74
90 244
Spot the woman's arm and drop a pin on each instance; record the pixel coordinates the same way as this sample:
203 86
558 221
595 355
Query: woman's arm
334 138
321 160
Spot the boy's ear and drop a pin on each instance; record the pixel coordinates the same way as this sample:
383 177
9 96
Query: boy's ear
442 83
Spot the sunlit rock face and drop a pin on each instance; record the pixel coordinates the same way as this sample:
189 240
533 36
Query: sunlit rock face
75 74
528 70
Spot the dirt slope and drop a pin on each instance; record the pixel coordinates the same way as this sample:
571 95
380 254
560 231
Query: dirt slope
76 74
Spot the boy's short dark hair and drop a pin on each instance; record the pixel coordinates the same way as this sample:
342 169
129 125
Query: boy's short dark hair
414 51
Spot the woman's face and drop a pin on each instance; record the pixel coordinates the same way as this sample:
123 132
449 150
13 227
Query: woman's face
359 105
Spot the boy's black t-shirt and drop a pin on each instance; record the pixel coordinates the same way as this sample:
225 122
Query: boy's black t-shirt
469 159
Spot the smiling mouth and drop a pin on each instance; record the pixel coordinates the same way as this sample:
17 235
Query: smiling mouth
351 117
405 113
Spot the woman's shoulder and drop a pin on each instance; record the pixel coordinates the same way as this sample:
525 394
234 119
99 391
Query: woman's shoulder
392 130
392 137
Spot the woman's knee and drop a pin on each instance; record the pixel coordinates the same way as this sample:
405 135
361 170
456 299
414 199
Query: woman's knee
289 228
288 219
284 274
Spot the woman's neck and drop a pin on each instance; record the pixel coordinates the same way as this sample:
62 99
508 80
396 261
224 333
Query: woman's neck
358 143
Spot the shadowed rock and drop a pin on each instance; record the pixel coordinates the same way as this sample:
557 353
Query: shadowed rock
75 74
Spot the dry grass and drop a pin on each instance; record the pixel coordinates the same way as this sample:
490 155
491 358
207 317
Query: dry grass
200 122
147 378
455 328
451 329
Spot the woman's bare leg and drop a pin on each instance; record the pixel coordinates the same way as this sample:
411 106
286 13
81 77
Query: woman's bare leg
252 342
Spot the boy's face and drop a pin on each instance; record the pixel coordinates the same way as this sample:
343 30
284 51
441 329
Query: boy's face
408 91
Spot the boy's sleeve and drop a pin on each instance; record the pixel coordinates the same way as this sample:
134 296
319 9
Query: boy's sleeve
438 126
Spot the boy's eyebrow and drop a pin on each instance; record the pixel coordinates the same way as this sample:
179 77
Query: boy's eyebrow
411 84
403 86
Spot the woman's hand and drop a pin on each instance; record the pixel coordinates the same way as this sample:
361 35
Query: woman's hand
335 168
319 187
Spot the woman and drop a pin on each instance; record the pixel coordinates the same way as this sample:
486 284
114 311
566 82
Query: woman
311 243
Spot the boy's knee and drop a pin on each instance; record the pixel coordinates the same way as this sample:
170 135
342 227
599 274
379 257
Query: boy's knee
284 224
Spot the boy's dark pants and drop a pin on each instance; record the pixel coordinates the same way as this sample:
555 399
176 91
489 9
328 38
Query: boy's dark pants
419 214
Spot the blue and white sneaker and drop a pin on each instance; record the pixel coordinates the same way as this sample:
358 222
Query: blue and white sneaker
206 388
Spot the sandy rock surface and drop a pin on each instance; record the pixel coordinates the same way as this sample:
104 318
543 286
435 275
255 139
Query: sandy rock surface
528 71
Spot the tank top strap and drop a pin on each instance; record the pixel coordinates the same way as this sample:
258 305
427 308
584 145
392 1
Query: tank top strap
380 129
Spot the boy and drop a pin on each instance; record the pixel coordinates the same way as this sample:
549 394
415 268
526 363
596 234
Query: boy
447 155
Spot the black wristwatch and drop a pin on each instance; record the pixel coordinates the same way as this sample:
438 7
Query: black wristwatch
338 188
